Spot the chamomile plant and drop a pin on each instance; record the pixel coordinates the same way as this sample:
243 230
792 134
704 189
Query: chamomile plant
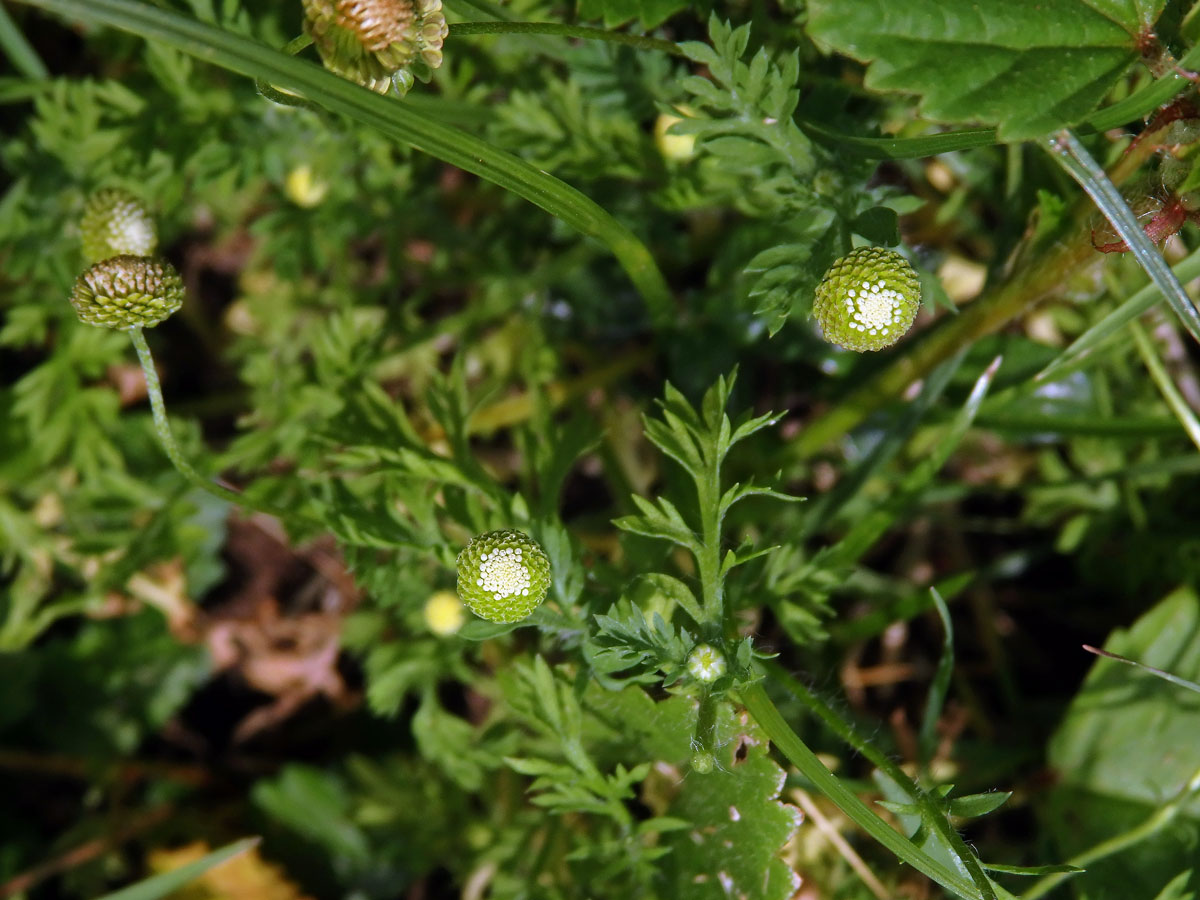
549 617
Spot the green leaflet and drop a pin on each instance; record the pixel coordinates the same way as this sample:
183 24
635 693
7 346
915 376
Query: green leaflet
984 61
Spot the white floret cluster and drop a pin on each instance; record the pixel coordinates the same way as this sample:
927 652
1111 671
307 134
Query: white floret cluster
874 308
503 573
706 663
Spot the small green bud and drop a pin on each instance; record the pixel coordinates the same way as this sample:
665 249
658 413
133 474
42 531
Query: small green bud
380 44
702 762
706 663
127 292
868 299
116 223
503 576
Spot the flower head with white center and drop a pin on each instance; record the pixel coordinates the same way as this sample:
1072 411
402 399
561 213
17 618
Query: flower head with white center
706 663
503 576
868 299
116 223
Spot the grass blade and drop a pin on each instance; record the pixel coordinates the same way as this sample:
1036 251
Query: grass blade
169 882
1143 301
1066 149
941 680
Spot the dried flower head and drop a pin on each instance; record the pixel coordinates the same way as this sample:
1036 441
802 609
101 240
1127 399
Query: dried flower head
503 576
127 292
381 44
116 223
868 299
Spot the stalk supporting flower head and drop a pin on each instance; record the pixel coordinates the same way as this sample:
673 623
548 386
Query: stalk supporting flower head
503 576
116 223
381 44
868 299
126 292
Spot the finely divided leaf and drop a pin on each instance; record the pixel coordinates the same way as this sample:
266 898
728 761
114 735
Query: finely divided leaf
1027 66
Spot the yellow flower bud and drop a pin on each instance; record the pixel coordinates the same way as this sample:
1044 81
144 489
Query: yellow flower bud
444 613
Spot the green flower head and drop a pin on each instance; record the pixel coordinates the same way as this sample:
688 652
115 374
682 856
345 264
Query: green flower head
380 44
126 292
503 576
868 299
116 223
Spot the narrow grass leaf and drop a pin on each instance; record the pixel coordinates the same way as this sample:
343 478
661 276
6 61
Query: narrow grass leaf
169 882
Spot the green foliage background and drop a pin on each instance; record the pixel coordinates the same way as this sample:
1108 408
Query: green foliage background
402 355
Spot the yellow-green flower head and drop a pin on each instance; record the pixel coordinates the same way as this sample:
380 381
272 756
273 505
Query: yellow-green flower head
380 44
503 576
116 223
706 663
443 613
868 299
127 292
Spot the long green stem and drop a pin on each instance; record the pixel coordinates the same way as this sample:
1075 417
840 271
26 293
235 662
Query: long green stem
390 116
931 813
708 560
637 41
1162 380
167 437
1156 822
772 722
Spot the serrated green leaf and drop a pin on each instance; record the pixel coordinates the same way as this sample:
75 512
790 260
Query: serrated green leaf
738 828
1027 66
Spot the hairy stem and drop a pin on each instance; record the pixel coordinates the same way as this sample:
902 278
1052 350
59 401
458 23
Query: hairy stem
759 705
932 814
167 437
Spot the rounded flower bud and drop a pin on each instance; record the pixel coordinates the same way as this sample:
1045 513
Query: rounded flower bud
116 223
503 576
706 663
703 762
127 292
443 613
868 299
381 44
674 147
